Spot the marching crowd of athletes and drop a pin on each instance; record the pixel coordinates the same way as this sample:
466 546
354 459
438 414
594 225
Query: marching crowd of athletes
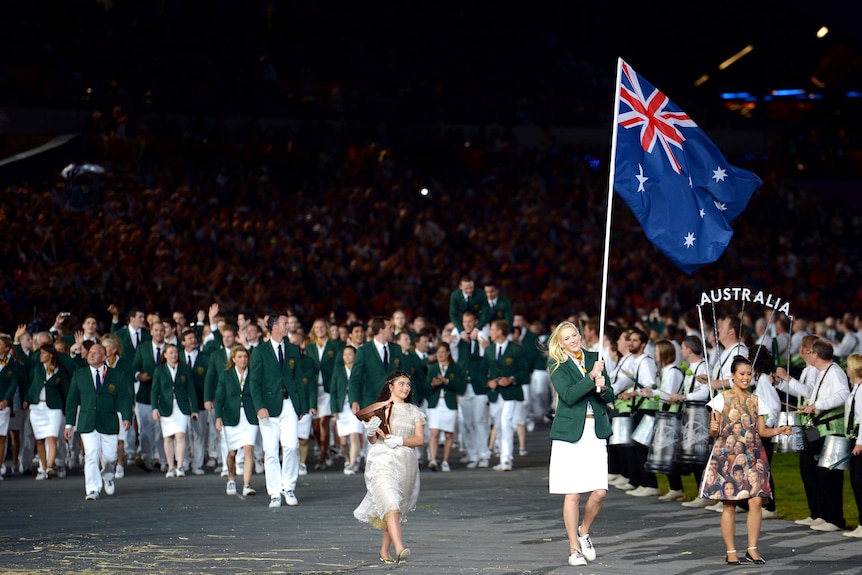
242 395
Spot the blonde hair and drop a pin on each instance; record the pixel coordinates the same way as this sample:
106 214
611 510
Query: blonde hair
555 346
854 364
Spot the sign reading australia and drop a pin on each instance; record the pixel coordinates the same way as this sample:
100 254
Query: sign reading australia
715 296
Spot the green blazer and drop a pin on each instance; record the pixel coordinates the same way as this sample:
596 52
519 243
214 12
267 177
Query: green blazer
368 375
165 389
338 388
503 310
98 408
574 392
512 364
217 356
418 370
200 372
12 377
230 398
478 305
56 387
326 364
270 382
473 365
456 384
309 380
145 362
128 348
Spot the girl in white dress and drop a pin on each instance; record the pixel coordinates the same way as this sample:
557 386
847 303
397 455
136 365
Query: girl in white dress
392 470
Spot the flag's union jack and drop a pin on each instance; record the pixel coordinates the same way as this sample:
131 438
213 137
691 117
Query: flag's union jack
652 114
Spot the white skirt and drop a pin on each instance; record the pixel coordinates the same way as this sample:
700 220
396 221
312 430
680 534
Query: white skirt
46 422
579 467
347 422
442 418
323 401
176 422
5 416
303 428
123 434
242 434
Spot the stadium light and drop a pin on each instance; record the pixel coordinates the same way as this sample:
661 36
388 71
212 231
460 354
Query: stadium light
727 63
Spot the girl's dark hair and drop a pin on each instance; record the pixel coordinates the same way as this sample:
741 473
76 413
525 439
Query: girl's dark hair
385 392
738 360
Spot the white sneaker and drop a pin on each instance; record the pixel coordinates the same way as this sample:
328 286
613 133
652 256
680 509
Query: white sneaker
231 488
697 502
818 521
825 526
290 498
808 521
41 476
258 467
239 469
303 470
119 472
576 559
444 467
767 514
718 507
624 486
181 472
348 470
91 496
275 501
673 495
198 471
224 472
472 464
483 463
620 479
109 487
503 467
613 477
248 491
432 465
636 492
856 533
171 473
587 549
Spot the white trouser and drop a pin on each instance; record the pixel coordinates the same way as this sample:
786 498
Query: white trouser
474 426
275 431
98 446
216 448
198 431
149 434
503 416
540 394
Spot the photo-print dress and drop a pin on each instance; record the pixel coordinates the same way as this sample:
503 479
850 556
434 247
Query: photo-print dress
737 468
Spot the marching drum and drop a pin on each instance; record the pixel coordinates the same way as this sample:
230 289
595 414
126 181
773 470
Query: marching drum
644 431
621 426
662 456
835 453
795 442
694 447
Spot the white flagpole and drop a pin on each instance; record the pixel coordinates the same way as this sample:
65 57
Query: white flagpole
610 204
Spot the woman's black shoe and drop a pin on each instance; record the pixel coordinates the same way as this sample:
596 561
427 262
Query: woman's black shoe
751 559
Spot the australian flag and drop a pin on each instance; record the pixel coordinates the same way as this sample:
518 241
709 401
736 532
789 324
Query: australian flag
674 179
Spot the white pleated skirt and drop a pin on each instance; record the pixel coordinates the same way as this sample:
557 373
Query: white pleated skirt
176 422
579 467
5 416
323 404
347 422
442 418
46 422
242 434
